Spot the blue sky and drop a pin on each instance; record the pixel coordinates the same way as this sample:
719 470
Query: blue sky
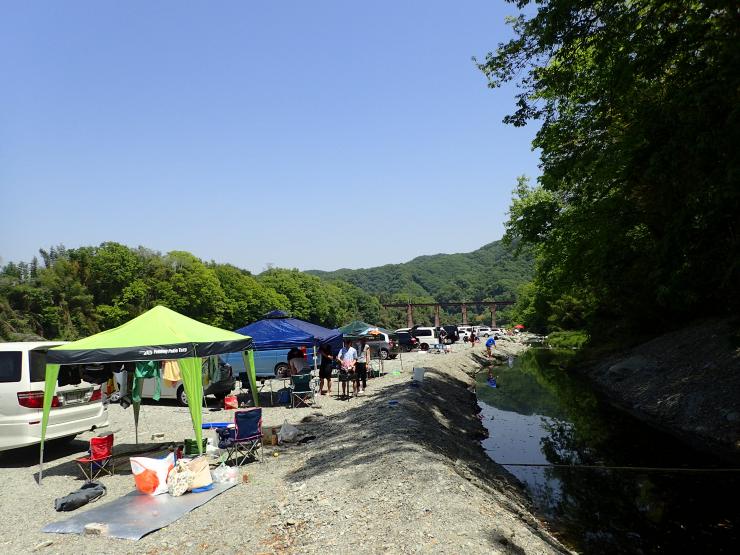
300 134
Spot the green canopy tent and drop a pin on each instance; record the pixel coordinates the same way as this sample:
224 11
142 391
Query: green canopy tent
158 334
356 328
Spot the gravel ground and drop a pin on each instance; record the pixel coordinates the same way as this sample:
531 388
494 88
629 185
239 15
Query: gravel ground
409 478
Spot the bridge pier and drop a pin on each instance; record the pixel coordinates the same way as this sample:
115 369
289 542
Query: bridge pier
410 315
436 315
465 314
493 316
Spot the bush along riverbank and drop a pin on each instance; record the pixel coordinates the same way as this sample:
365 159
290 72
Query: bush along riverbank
686 382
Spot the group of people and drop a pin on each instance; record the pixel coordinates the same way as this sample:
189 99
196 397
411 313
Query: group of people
353 364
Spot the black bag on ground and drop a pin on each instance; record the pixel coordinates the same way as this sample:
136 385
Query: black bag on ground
91 491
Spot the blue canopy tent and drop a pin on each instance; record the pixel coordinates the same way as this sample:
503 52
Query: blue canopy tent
278 331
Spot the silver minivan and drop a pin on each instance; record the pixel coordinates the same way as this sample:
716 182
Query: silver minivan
75 408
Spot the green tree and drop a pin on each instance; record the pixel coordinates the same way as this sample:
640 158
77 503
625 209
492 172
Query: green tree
247 299
638 101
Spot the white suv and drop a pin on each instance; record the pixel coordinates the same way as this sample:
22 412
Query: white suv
484 331
75 408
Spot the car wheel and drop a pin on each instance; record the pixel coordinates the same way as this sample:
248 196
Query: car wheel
281 370
384 354
182 398
424 347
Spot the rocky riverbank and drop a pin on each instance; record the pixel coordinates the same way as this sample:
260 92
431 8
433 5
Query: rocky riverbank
686 382
398 470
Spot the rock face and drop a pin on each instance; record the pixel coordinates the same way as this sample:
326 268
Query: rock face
686 382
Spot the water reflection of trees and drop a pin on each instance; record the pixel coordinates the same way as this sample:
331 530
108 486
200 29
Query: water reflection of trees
603 510
539 383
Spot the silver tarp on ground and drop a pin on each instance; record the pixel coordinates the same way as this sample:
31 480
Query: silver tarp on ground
135 515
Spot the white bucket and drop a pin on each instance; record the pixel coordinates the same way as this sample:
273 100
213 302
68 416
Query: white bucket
419 374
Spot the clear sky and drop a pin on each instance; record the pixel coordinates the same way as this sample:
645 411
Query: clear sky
319 134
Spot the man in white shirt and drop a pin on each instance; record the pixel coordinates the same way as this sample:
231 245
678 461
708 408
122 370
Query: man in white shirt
348 360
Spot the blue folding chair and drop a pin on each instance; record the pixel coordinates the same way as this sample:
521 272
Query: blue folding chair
245 438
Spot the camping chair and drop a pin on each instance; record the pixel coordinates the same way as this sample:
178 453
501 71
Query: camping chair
245 437
301 390
100 458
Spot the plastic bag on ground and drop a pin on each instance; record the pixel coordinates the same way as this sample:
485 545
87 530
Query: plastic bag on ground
150 475
225 474
288 433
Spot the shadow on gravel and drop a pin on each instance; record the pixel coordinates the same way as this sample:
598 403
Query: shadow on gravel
504 545
54 450
28 457
439 416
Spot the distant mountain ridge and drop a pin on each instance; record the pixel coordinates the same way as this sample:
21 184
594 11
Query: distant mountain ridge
492 271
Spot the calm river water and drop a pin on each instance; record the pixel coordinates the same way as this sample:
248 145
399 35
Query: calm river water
540 414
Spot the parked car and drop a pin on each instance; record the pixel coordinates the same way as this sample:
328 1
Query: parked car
383 346
484 331
427 336
75 408
453 334
463 332
405 341
219 388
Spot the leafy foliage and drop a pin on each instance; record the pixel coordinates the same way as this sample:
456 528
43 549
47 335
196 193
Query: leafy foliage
637 208
78 292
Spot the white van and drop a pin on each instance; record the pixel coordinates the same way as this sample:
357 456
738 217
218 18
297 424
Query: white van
75 408
426 336
220 388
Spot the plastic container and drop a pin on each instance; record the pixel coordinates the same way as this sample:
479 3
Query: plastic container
419 374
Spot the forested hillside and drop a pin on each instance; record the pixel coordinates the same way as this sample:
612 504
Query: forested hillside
493 272
487 273
72 293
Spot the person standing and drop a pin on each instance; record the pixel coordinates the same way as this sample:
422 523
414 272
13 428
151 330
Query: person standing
490 344
363 359
442 335
473 339
327 360
348 360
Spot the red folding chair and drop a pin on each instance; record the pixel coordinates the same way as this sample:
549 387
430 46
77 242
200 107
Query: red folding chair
100 458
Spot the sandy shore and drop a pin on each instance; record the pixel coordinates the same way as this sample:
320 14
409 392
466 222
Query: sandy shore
408 477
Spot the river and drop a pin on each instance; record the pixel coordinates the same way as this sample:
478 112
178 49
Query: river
542 415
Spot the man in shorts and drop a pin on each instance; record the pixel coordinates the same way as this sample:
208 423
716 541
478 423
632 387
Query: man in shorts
347 361
490 344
